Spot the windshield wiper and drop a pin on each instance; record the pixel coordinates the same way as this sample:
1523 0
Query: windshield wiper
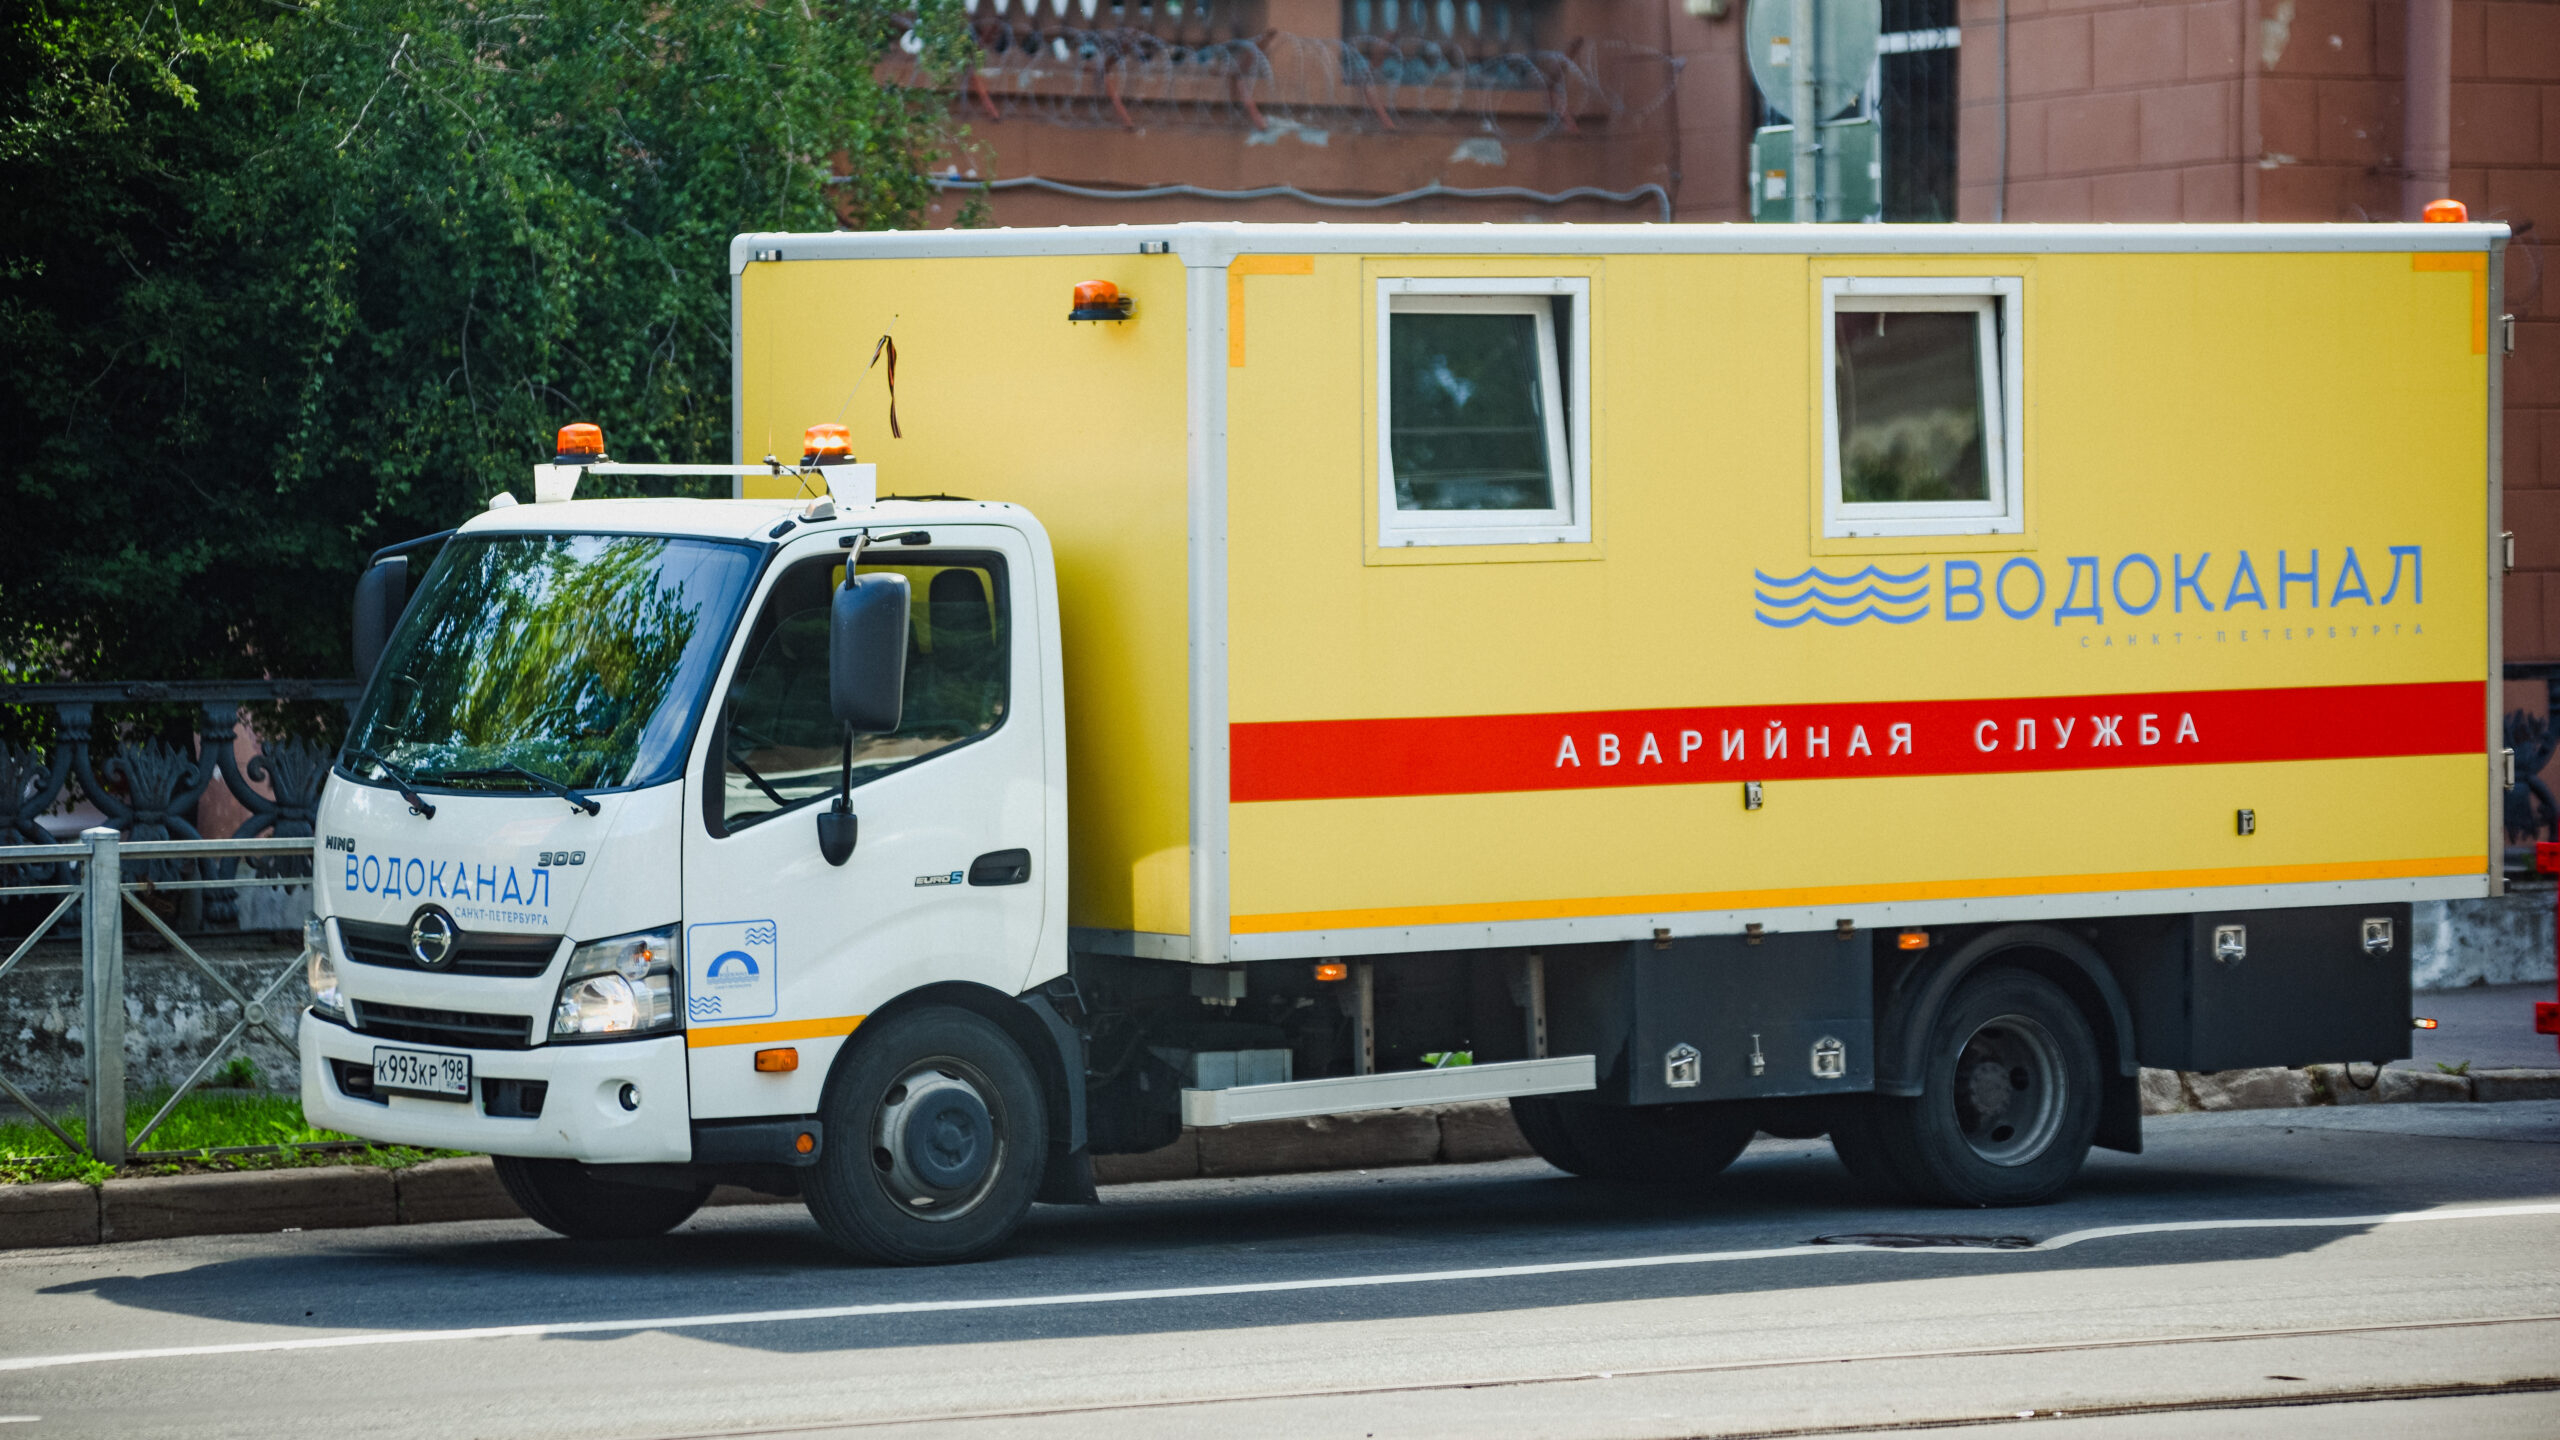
400 781
518 772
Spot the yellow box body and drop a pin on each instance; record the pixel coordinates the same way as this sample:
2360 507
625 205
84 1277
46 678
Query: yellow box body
1365 748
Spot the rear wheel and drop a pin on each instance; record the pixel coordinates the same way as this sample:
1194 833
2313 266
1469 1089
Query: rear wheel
1634 1144
943 1138
2008 1104
561 1195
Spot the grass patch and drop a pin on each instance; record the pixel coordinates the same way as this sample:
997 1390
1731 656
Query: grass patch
208 1119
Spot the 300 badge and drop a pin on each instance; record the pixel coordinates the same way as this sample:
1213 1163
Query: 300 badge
558 859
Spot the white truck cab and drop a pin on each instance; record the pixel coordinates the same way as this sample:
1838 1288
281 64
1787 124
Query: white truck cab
571 909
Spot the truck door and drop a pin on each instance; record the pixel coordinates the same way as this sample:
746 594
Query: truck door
783 950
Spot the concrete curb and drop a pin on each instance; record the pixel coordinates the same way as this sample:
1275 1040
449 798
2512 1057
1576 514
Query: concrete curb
348 1196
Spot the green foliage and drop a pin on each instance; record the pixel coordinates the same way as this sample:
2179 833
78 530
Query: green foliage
203 1121
2462 1069
281 283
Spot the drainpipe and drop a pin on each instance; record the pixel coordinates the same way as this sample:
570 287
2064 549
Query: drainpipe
2426 109
2000 192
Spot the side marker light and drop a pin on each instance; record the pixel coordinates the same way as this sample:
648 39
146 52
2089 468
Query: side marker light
1911 940
804 1142
776 1062
1333 970
2422 1023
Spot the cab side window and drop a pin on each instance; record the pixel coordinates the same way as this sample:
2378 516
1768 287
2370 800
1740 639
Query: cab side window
780 748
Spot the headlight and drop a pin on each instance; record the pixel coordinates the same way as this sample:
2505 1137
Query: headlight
319 969
622 986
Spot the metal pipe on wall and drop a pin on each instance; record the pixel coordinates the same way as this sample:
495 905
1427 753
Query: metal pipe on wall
1804 175
2426 108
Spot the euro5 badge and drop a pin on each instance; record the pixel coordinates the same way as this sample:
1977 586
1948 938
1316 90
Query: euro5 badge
730 969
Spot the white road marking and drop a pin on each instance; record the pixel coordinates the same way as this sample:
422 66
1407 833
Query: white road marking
1254 1287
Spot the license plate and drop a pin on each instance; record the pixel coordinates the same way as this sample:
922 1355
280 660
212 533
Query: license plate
422 1072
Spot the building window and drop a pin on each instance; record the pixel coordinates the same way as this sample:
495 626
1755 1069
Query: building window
1915 100
1921 407
1483 435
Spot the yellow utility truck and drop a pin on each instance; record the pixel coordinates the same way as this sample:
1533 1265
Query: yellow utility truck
1686 681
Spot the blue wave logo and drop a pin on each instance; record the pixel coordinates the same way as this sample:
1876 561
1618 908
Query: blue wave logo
1784 602
702 1007
740 956
759 935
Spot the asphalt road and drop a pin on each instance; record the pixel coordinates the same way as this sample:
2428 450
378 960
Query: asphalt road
2383 1270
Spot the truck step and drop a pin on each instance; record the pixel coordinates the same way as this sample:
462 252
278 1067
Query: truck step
1391 1091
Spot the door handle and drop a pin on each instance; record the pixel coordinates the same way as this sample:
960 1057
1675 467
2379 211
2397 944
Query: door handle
1001 867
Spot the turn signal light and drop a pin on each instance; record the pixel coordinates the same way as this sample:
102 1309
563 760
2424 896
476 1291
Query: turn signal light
580 444
775 1062
1099 300
1333 970
826 445
2422 1023
1911 940
2447 212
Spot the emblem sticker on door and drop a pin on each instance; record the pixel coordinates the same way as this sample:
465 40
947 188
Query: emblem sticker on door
730 970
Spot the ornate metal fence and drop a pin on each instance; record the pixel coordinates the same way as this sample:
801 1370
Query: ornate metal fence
147 789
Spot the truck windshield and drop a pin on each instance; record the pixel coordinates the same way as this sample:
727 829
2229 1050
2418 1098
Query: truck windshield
581 658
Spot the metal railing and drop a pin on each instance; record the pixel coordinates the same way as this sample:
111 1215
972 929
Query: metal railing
101 894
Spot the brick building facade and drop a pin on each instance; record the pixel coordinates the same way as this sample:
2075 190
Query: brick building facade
2056 110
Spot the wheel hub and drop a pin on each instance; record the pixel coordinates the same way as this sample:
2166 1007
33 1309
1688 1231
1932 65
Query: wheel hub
935 1144
2009 1096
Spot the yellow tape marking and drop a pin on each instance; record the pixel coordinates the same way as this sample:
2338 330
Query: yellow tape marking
1239 268
2478 265
777 1030
1853 894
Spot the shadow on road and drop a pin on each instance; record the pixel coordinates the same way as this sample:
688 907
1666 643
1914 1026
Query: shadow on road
1195 1233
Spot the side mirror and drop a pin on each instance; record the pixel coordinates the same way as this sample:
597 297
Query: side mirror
866 685
867 653
381 594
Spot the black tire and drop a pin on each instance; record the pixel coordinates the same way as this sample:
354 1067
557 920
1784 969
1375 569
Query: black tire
560 1195
2008 1104
1634 1144
1858 1140
936 1139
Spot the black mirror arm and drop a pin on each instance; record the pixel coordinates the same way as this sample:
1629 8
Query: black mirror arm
837 824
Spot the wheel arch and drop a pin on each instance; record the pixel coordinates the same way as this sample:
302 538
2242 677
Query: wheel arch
1912 1005
1049 1043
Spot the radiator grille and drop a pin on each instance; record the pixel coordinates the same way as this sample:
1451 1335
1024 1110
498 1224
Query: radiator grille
458 1029
475 952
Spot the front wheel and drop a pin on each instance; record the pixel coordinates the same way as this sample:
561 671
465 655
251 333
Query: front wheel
936 1140
1634 1144
2008 1104
562 1195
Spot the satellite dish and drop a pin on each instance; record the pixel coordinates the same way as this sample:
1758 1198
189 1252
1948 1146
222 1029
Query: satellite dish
1844 46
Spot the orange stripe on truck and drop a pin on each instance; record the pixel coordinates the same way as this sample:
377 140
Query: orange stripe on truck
1487 913
777 1030
1602 749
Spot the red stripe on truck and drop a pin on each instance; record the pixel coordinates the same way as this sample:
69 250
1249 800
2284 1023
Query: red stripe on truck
1596 749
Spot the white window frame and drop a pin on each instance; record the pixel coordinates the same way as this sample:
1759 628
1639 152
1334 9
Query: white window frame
1997 302
1568 434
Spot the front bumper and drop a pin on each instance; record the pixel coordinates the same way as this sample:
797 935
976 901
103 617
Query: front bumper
582 1115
